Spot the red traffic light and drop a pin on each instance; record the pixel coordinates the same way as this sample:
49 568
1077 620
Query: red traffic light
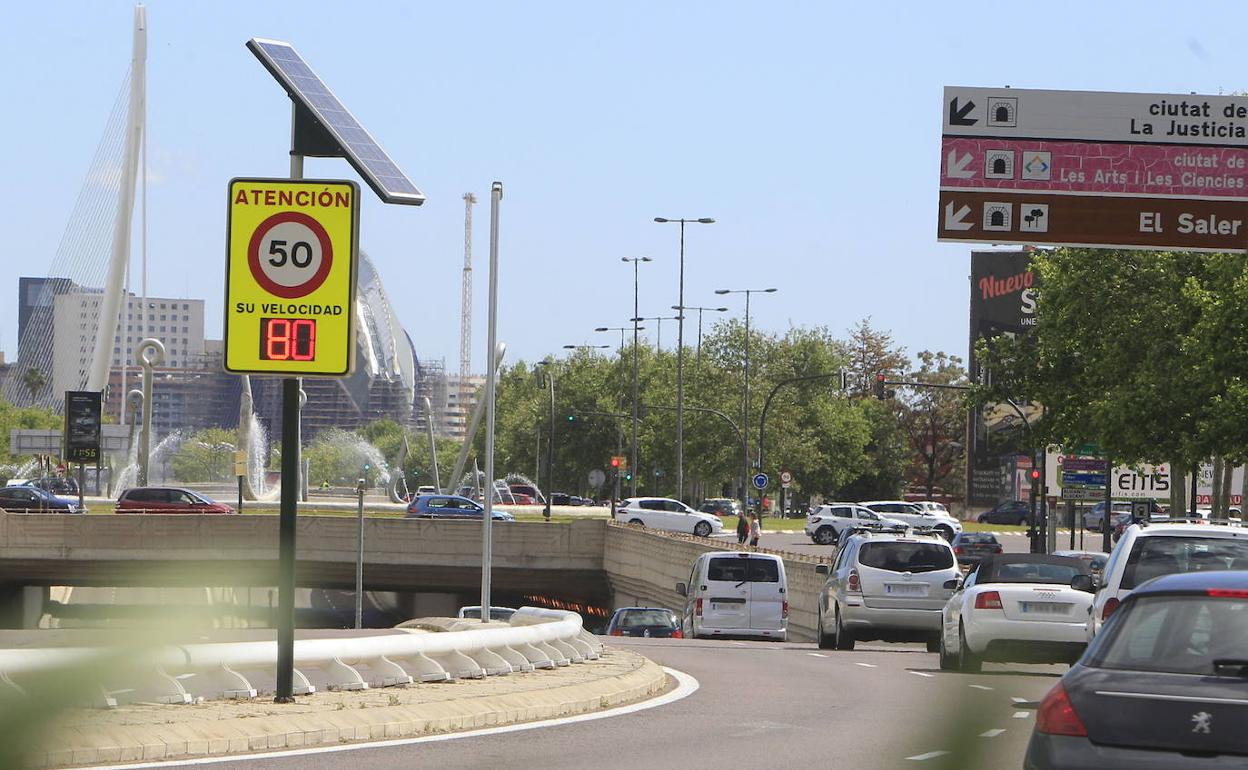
615 462
1035 474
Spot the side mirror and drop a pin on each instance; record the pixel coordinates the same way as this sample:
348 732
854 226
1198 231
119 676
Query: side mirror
1083 583
953 584
822 569
680 589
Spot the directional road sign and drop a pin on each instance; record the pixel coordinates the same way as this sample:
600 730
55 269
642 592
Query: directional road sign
1080 168
760 480
290 277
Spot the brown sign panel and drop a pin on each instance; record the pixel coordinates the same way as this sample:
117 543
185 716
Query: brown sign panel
1093 220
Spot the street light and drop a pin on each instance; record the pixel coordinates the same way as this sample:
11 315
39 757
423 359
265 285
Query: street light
658 343
621 330
586 347
545 367
745 414
680 356
700 309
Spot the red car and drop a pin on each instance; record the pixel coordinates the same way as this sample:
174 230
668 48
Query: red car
167 500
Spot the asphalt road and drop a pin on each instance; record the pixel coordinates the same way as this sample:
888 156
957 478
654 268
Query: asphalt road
764 705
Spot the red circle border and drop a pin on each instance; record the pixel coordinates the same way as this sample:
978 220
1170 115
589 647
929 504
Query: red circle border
305 288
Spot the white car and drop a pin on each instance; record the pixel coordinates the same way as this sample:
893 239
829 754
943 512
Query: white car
825 524
736 594
670 515
1016 607
912 513
1148 551
933 506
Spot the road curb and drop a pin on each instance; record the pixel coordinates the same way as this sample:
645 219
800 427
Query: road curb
626 677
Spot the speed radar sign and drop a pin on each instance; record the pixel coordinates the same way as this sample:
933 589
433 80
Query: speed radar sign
290 277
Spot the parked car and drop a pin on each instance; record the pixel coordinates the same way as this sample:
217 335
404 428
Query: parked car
1149 551
829 521
970 547
886 586
1009 512
426 490
1093 519
645 621
529 491
57 485
451 507
1015 607
561 498
1162 685
915 516
496 613
931 505
668 514
721 506
167 500
736 594
26 499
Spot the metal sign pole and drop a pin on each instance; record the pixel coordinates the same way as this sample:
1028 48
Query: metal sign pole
491 380
359 555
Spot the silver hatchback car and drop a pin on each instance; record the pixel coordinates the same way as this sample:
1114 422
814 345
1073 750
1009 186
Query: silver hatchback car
886 586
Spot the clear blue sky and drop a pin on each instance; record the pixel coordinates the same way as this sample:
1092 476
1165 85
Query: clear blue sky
810 131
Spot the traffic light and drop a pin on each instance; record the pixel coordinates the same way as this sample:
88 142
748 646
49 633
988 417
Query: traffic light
628 475
571 418
1035 474
615 463
881 392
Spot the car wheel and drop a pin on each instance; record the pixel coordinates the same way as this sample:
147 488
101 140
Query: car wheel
947 662
844 638
1021 520
968 661
983 518
825 642
703 529
825 536
637 522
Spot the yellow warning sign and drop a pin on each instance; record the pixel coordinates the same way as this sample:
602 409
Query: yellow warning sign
290 277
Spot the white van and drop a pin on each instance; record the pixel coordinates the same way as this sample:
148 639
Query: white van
736 594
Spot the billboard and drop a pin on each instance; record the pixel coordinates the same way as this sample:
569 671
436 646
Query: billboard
1002 301
82 426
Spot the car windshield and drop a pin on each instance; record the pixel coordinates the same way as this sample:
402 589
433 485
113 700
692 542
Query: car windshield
641 618
906 557
1035 573
1175 634
736 569
1166 554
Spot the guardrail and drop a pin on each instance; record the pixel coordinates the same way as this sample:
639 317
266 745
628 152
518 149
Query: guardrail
535 638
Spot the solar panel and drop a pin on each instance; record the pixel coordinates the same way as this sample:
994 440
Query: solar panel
355 143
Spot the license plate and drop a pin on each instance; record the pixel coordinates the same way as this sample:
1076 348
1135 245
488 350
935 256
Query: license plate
725 606
1050 608
906 589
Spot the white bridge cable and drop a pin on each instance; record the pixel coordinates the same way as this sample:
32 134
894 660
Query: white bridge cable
81 256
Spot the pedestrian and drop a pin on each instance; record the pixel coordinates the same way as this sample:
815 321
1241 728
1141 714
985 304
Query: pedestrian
756 531
743 529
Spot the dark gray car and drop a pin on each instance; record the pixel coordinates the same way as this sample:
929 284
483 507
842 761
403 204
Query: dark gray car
1164 685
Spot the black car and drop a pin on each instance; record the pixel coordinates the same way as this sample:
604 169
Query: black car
644 621
970 547
721 506
1010 512
28 499
1162 685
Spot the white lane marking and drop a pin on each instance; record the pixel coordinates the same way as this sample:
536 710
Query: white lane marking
993 733
928 755
816 655
980 687
686 685
1021 714
865 665
920 673
1018 700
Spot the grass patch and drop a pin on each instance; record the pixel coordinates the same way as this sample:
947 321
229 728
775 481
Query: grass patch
975 526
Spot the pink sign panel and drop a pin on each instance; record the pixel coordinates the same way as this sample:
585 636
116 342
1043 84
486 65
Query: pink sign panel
1094 168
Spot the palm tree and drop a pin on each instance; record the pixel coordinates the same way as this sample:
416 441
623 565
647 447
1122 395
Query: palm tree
34 380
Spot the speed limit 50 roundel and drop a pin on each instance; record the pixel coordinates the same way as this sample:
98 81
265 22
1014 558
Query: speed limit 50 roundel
291 277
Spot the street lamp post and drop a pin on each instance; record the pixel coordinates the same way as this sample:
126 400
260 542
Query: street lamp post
700 310
658 320
680 356
745 401
586 347
549 376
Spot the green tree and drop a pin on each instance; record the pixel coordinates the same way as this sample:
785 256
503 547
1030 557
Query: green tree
35 381
207 455
935 421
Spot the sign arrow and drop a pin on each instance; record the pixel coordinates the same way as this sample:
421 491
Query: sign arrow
958 117
954 220
959 168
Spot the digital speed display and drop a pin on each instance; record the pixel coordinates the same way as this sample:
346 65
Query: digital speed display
287 339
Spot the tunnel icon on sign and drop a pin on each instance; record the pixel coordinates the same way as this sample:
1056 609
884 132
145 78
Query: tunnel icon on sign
998 216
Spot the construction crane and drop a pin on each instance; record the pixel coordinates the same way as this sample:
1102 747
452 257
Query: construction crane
465 314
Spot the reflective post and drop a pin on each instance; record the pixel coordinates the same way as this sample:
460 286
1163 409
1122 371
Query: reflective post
359 554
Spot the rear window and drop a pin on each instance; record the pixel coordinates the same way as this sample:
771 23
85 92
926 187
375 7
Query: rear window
977 537
642 618
737 570
906 557
1176 634
1165 555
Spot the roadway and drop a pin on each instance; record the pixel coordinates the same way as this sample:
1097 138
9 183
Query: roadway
759 705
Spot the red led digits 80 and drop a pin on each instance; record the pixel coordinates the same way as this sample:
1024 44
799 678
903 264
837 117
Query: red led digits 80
287 339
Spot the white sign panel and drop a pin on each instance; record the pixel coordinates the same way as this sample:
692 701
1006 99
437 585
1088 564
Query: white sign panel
1098 116
1149 481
